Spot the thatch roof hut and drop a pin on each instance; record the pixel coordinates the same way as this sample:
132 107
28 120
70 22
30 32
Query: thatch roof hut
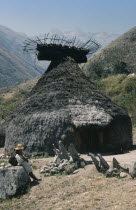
64 104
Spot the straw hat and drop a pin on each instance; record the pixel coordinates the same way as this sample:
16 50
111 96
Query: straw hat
19 147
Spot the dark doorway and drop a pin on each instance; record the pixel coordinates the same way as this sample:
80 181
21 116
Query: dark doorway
93 139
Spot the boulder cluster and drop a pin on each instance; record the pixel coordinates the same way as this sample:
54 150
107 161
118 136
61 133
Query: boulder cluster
116 169
66 162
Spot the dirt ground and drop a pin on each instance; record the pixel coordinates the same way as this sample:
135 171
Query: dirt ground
86 189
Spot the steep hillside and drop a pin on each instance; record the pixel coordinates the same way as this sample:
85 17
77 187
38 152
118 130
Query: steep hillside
122 90
11 97
117 57
15 66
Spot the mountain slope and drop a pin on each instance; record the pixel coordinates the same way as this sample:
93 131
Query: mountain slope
101 37
15 66
121 89
117 56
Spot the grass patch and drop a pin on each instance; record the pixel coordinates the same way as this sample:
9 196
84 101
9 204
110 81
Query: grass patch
34 166
4 161
40 157
8 105
122 90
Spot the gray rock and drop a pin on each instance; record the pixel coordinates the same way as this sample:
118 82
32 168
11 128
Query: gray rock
2 156
12 180
65 161
76 171
46 167
63 151
71 159
119 166
61 167
82 164
109 172
112 172
58 160
2 164
132 169
42 171
47 174
103 162
95 161
115 163
123 175
47 170
54 171
125 166
87 162
73 152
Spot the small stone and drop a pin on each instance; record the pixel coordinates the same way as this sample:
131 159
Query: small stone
46 167
87 162
56 168
123 175
112 172
47 174
2 164
76 171
61 167
71 160
42 171
2 156
109 172
47 170
82 164
53 171
65 162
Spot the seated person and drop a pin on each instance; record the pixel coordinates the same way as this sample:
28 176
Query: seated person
23 161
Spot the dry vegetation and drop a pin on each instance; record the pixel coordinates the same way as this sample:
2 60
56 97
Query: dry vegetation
86 189
11 97
122 90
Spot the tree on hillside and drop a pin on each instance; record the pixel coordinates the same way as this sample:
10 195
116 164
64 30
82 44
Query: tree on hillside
114 61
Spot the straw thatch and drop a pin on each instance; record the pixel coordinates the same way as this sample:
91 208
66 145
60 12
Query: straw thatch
65 105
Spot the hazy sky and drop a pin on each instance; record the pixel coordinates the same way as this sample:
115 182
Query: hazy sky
39 16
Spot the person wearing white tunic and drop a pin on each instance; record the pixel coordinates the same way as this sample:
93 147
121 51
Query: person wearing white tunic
23 161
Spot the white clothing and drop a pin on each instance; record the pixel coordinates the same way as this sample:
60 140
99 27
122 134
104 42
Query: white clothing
19 159
23 163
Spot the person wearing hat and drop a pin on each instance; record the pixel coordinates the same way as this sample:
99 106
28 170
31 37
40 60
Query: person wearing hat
23 161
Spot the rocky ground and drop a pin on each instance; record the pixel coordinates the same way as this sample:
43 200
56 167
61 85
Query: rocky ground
86 189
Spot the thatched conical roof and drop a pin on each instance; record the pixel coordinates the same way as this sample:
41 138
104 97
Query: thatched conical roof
63 99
